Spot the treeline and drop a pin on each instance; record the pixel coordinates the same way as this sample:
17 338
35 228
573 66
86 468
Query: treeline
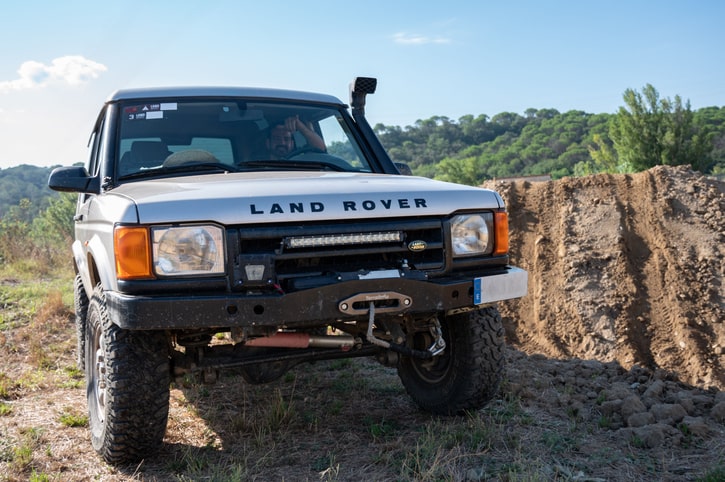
474 149
647 131
35 222
25 182
42 235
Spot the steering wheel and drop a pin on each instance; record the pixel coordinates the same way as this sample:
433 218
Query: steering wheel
320 156
304 150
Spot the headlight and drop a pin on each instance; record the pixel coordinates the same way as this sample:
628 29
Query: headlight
472 234
188 250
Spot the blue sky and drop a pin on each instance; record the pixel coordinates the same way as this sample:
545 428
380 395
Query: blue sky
60 60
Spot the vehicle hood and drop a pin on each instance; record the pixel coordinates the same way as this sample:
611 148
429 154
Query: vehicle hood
272 197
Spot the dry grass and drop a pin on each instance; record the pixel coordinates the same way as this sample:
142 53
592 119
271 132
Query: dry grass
341 420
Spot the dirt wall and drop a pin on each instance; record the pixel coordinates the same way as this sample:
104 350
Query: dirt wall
625 268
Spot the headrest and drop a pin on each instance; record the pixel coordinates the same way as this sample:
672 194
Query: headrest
150 150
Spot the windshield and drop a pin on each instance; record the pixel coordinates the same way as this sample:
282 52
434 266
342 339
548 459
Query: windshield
233 135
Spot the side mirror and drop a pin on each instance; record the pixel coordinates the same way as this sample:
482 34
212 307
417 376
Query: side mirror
73 179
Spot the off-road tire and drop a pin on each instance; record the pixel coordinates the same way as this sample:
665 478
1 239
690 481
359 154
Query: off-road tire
81 309
468 373
127 377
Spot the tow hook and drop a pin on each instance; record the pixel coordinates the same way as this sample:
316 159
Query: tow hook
438 346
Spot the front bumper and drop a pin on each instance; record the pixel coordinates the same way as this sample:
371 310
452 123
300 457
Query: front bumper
311 306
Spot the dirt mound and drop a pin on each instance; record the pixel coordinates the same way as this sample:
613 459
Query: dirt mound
622 268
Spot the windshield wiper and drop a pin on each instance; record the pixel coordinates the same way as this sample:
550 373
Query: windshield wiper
290 164
188 167
194 166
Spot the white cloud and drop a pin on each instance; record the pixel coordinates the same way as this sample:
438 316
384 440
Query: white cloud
414 39
71 70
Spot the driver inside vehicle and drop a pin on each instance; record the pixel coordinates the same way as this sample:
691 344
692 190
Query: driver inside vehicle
281 140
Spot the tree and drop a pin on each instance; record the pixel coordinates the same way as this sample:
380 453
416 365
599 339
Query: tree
604 159
25 182
14 230
713 119
54 226
462 171
650 131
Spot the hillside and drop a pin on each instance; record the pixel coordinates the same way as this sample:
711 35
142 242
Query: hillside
25 182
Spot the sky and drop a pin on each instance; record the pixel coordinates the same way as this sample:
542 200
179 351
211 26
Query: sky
60 60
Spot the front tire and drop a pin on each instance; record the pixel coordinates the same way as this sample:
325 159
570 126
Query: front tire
467 374
81 313
127 385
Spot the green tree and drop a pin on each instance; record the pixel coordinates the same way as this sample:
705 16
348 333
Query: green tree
462 171
24 182
650 131
605 158
713 119
54 226
46 238
14 231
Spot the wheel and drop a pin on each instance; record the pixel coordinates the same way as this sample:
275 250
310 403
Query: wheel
81 308
467 374
127 384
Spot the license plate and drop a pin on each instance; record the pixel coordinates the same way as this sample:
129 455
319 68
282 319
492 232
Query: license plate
505 286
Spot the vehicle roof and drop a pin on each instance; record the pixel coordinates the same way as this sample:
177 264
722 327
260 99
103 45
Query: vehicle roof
257 92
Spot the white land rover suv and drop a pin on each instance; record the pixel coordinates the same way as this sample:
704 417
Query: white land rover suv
274 223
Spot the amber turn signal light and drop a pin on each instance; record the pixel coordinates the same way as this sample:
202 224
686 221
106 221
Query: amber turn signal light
501 239
133 252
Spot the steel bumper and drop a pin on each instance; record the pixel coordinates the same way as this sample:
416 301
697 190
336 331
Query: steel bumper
311 306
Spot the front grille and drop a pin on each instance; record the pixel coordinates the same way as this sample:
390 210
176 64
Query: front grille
271 246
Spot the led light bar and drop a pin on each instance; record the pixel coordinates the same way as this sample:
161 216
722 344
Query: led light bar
343 239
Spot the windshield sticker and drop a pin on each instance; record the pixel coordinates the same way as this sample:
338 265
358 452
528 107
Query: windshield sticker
149 111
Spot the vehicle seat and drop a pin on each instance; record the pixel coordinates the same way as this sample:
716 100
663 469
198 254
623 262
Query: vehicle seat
143 155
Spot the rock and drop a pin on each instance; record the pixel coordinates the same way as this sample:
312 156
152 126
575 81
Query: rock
632 405
718 412
640 419
611 407
696 426
668 413
655 390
